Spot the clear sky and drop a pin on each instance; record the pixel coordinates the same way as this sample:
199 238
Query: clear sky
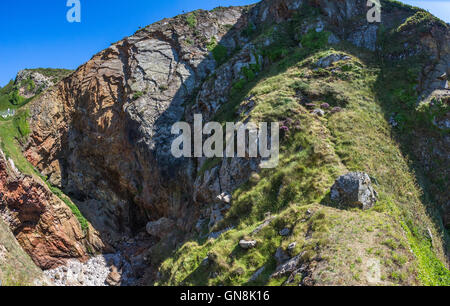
35 33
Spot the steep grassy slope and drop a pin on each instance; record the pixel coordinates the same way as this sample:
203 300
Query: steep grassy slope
16 267
338 246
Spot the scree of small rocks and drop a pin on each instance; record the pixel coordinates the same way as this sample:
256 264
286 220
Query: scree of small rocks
102 270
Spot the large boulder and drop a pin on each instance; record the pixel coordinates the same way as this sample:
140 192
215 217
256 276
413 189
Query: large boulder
354 189
247 244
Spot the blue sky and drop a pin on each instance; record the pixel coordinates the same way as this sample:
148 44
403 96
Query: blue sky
35 33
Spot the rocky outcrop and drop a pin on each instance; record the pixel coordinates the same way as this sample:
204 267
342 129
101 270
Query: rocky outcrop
104 134
354 190
44 226
247 244
30 82
328 60
287 267
160 228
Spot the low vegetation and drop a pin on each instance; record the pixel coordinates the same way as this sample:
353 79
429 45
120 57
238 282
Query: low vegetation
219 52
358 96
191 20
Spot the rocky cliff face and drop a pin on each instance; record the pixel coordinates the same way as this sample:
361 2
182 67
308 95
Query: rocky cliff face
103 134
30 82
44 226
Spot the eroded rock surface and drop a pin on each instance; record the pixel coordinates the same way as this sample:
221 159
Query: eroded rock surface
44 225
31 82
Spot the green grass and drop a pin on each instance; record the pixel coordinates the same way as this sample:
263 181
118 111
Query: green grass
219 52
138 95
55 74
84 223
11 131
314 153
9 95
191 20
421 21
16 268
10 98
21 124
17 129
432 271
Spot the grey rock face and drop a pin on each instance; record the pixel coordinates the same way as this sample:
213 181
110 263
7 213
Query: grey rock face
287 267
39 82
285 232
327 61
354 189
224 197
318 112
215 217
366 37
333 39
257 274
280 256
160 228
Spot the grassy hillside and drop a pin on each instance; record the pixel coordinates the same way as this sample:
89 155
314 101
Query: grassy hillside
399 241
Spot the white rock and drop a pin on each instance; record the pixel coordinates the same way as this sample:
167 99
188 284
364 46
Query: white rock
245 244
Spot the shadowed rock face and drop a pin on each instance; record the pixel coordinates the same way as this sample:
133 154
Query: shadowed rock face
43 225
103 134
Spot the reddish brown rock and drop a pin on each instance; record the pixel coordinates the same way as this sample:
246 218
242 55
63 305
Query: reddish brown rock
44 226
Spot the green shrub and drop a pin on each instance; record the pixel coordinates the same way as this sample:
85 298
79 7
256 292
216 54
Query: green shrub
191 20
138 94
55 73
219 52
15 98
249 30
315 40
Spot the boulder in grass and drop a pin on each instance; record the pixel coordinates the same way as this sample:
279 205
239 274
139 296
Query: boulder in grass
354 190
247 244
